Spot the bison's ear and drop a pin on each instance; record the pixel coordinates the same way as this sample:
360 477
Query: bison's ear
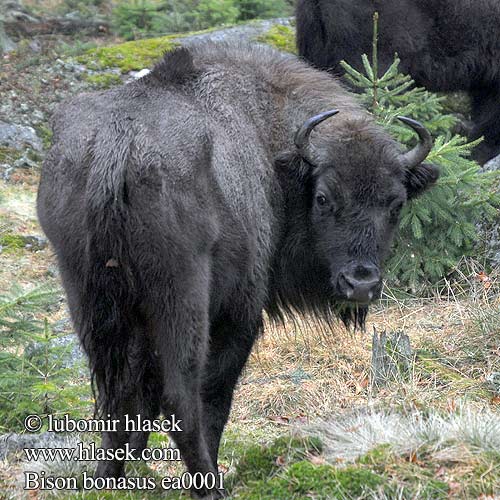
293 163
420 178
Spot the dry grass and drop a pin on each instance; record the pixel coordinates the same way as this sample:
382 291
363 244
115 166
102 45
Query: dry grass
18 216
303 370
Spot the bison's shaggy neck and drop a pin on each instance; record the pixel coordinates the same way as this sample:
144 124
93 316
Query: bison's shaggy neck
279 93
300 281
256 98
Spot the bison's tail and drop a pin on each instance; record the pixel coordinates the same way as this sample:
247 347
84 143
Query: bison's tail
111 283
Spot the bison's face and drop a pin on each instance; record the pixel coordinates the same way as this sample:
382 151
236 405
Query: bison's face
359 184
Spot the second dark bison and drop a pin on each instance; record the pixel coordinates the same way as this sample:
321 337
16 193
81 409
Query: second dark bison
445 45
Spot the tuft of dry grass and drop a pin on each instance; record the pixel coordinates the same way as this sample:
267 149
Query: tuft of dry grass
453 436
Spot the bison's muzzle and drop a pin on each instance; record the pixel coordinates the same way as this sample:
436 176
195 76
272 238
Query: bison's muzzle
359 282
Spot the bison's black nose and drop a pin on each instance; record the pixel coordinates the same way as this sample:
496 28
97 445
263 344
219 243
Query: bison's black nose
359 282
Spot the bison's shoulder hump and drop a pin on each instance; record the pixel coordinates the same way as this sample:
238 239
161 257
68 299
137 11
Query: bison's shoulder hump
176 67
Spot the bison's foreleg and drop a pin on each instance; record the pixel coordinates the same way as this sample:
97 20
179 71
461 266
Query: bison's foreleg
181 343
230 345
486 118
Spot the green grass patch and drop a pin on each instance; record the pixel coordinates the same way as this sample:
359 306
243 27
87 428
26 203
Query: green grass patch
45 133
381 454
283 470
280 37
260 461
159 493
133 470
484 479
415 475
12 242
304 480
104 80
157 440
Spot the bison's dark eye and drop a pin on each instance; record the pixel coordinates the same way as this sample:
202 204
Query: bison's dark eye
321 200
396 209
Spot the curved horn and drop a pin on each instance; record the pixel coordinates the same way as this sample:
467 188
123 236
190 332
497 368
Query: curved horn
419 153
302 136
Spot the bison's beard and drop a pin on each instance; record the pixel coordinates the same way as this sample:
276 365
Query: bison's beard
318 301
352 315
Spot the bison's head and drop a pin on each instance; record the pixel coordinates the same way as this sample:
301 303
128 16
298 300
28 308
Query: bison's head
359 180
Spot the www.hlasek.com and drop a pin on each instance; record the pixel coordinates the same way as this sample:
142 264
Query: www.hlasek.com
90 452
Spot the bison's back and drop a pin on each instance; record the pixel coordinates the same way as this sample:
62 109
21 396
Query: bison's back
125 148
154 162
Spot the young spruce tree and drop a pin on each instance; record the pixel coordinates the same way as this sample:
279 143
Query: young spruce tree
441 227
34 375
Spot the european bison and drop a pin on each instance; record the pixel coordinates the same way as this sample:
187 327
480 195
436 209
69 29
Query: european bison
445 45
180 209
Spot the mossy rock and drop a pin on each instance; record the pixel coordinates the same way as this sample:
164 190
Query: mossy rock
129 56
260 461
104 80
136 54
139 54
280 37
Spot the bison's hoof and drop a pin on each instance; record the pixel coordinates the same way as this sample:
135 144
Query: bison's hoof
212 495
107 469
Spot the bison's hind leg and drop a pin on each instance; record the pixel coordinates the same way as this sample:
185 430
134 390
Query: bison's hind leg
139 395
138 389
230 345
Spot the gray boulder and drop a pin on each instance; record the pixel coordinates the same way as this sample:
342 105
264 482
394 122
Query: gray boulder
245 32
19 137
13 444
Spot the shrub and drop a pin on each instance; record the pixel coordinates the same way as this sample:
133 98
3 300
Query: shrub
134 18
138 18
216 12
263 9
